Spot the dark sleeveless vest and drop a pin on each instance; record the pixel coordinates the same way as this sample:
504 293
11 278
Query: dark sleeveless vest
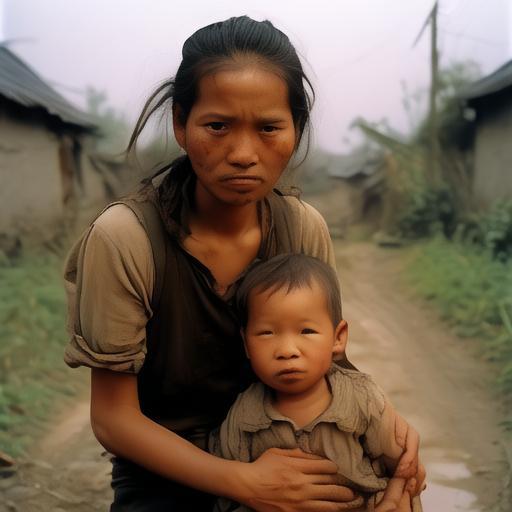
195 364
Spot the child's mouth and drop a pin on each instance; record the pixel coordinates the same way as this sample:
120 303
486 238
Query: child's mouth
289 371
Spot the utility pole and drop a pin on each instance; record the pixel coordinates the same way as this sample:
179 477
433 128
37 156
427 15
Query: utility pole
434 150
434 139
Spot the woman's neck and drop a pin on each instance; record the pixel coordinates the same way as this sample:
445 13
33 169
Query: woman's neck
224 220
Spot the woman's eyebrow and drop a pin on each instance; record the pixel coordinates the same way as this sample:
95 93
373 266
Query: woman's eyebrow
271 120
263 119
215 115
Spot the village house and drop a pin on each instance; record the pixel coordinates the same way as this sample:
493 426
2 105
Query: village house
346 188
48 167
491 100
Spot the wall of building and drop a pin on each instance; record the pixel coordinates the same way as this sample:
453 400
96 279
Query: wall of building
30 181
340 206
493 153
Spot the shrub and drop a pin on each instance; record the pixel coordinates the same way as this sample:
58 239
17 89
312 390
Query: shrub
427 210
491 231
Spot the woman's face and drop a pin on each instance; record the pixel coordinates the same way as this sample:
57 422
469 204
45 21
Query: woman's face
239 135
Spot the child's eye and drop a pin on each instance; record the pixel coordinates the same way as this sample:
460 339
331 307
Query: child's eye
217 126
308 331
264 333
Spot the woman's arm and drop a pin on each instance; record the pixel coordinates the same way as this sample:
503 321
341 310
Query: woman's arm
400 444
280 480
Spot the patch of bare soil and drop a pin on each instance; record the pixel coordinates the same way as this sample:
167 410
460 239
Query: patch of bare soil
66 471
433 378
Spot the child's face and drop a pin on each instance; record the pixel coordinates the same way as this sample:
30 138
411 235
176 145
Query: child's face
290 338
239 134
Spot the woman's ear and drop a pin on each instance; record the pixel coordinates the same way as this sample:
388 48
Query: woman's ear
178 127
340 338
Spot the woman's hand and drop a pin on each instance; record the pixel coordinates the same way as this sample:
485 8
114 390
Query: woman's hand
409 466
291 480
396 497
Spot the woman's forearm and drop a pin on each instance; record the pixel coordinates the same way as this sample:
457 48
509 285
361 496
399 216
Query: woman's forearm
123 430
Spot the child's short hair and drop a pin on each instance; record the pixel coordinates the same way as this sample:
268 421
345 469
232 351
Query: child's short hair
290 271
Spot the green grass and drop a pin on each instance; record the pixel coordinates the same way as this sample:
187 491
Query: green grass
33 378
473 293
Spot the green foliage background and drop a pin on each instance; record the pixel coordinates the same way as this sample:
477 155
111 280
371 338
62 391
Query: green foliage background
473 293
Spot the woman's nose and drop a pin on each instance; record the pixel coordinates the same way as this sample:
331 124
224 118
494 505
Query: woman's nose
243 151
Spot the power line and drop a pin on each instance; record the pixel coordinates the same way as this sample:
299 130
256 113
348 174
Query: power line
463 35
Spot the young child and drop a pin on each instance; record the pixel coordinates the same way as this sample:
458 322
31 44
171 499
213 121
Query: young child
290 313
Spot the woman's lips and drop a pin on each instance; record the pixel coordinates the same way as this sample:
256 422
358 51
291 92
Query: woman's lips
241 182
241 178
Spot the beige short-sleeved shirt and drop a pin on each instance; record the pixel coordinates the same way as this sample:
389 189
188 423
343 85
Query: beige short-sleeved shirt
252 426
118 276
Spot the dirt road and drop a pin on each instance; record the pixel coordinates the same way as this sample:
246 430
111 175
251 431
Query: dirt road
430 375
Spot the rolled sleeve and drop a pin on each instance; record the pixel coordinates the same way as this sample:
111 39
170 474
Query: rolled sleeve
114 297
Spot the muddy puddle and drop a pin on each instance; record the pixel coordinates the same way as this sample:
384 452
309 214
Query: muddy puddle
449 487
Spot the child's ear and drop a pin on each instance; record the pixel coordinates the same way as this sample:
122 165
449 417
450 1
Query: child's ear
178 126
242 333
340 338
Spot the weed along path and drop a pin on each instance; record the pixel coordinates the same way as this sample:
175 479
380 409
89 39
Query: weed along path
430 376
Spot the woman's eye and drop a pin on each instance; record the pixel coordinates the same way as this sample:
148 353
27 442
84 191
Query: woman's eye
308 331
269 129
216 126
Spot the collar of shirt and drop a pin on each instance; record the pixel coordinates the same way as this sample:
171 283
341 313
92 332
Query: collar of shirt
344 409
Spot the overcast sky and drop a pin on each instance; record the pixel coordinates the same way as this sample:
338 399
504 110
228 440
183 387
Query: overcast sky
358 52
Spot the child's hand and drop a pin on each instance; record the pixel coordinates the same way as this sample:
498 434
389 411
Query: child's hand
291 480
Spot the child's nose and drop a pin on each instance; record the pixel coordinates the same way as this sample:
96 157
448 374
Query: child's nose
287 349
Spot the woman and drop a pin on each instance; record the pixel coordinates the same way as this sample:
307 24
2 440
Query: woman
155 275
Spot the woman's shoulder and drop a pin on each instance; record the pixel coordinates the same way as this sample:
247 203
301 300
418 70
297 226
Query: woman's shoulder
121 226
114 243
301 208
312 228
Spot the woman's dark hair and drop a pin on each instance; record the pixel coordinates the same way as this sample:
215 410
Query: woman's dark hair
289 272
210 47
